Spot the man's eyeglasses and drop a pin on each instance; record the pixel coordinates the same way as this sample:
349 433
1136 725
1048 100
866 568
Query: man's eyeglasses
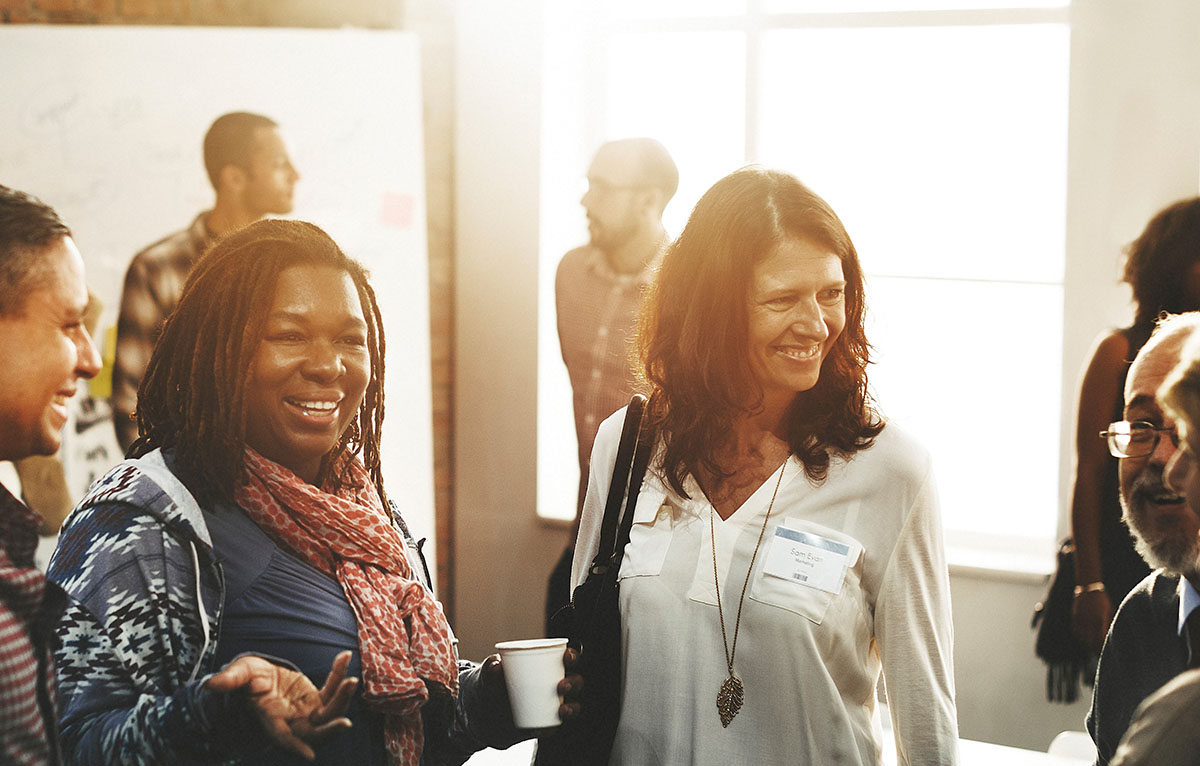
605 188
1135 438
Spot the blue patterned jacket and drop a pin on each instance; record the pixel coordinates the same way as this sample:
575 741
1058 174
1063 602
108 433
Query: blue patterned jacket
140 632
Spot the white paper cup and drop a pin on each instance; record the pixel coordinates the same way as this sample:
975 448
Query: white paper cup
532 669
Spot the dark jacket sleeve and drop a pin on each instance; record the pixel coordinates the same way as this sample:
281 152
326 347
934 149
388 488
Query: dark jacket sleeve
1142 652
474 723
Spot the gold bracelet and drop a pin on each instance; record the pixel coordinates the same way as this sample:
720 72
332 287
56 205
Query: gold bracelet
1091 587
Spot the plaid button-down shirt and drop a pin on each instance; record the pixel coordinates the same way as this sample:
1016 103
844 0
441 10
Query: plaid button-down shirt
153 285
29 609
597 317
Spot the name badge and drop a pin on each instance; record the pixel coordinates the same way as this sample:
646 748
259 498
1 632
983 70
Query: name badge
807 559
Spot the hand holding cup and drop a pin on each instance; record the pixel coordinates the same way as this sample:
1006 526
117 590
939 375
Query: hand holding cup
540 692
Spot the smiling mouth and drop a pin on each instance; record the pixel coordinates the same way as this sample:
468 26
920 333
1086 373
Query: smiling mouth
799 353
314 407
1164 497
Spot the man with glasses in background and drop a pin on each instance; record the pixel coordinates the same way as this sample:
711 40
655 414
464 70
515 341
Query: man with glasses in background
1153 636
598 292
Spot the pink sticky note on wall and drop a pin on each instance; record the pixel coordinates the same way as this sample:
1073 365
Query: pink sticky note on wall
396 210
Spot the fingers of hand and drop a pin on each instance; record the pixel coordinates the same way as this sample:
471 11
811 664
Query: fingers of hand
571 685
336 705
492 676
492 667
568 710
272 712
327 728
337 673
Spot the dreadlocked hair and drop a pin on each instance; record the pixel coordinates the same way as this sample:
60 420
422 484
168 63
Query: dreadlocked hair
694 324
192 398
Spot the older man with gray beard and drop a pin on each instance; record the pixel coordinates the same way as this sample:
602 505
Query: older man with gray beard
1148 642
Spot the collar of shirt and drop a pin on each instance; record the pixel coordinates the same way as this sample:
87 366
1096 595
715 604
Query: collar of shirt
18 529
26 591
1189 599
199 232
599 265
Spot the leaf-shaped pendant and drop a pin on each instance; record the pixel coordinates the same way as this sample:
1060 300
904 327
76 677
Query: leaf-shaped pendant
729 699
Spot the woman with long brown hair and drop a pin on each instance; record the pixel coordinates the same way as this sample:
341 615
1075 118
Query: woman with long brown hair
786 546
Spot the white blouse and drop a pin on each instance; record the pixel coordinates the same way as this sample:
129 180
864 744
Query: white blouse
809 658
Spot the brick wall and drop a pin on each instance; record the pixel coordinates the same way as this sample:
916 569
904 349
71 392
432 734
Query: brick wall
290 13
433 21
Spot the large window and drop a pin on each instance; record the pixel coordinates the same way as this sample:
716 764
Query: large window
938 131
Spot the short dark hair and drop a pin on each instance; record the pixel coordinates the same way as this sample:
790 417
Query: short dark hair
695 323
192 398
27 227
655 165
231 140
1158 261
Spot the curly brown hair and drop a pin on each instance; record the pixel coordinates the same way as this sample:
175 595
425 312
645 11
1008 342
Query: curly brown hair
694 325
192 398
1158 261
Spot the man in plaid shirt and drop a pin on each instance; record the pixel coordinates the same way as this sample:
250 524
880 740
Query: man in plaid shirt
252 174
598 291
46 350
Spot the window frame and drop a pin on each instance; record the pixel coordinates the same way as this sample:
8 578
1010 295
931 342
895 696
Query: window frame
1092 297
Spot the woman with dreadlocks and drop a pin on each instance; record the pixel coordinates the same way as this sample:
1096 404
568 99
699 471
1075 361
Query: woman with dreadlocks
251 524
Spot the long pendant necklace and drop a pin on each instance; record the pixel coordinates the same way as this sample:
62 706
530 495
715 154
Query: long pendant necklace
732 694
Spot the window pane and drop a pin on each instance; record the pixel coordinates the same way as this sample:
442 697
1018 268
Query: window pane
557 464
973 369
944 153
687 89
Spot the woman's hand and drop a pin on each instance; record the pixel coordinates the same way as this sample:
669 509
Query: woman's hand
570 687
293 712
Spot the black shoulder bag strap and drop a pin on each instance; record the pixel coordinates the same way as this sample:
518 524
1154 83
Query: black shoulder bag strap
596 615
641 459
628 471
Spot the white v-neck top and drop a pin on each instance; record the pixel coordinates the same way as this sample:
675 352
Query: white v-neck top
809 660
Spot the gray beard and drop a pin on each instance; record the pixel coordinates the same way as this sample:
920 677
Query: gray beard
609 240
1178 555
1174 555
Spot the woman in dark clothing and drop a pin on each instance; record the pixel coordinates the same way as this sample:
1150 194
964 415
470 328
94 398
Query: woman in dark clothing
1163 268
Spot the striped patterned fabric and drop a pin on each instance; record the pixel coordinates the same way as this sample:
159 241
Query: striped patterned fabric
29 606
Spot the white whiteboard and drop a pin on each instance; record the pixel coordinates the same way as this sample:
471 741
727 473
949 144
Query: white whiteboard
106 124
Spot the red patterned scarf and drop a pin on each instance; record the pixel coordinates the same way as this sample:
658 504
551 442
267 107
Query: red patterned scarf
403 635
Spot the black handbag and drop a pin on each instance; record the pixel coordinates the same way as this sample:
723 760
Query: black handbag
592 621
1067 661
